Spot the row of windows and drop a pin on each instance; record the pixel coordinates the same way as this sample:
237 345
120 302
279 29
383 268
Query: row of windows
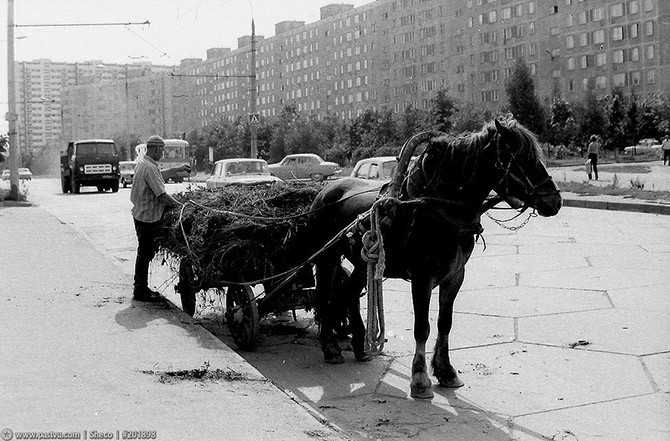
617 33
619 56
624 79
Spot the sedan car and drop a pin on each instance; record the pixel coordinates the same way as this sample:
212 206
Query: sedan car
303 166
240 171
24 173
648 145
379 168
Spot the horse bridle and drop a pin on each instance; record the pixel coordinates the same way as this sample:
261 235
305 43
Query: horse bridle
524 181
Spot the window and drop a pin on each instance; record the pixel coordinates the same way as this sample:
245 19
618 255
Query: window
571 63
635 78
617 33
570 41
651 52
651 76
633 7
619 79
571 86
601 82
617 10
599 36
634 30
634 54
584 61
649 28
601 59
617 56
570 21
581 18
583 39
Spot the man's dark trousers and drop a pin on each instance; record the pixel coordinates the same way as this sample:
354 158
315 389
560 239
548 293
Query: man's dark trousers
146 250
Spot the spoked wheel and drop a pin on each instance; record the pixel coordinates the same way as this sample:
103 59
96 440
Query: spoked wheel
242 316
187 286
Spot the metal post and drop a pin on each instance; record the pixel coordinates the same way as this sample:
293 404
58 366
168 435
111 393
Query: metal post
11 114
252 93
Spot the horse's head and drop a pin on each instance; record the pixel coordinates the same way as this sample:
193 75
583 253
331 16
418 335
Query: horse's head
522 179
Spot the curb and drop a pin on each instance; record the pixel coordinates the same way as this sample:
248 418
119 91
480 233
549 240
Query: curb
617 206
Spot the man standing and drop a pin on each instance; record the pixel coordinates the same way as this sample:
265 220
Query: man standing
592 153
149 200
666 150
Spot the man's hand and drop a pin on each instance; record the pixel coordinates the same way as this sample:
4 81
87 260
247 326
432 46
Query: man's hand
185 168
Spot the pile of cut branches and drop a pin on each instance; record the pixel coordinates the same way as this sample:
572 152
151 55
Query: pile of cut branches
239 234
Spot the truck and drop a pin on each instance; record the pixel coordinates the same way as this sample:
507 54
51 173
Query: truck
90 162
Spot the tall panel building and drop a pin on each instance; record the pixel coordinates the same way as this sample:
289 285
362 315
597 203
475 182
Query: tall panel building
386 54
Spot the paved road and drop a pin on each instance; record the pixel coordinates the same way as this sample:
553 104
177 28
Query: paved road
561 332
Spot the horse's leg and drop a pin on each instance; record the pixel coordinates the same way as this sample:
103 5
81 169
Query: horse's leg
420 386
327 311
354 285
442 368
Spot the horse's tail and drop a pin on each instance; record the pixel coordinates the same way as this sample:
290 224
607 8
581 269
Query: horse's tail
406 153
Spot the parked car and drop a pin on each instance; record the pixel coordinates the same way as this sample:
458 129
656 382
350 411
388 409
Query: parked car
240 171
24 173
377 168
304 166
648 145
127 169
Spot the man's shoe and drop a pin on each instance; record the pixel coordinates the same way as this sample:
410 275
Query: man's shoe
147 295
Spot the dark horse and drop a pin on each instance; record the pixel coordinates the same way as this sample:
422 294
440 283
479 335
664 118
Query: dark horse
429 232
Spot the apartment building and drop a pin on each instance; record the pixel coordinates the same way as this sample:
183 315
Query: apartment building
394 54
41 107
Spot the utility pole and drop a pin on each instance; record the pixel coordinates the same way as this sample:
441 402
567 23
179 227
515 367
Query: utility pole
14 158
253 119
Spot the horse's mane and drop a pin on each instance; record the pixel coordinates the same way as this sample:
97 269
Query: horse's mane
458 156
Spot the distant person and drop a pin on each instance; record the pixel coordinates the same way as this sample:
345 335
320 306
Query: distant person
149 201
592 153
666 150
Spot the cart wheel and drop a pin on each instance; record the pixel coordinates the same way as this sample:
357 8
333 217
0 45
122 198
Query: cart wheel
242 316
186 287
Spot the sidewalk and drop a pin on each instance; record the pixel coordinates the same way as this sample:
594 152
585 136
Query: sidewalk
78 355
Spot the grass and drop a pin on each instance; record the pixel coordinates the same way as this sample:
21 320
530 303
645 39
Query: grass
585 189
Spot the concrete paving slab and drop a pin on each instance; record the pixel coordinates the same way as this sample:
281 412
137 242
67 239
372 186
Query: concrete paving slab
621 331
658 366
521 301
587 278
648 298
618 420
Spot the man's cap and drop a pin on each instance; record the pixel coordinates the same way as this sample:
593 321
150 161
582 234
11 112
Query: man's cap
155 141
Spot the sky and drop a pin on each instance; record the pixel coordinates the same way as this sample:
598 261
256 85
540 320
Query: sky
178 29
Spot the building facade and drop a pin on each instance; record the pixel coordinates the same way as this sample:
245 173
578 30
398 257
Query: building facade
386 54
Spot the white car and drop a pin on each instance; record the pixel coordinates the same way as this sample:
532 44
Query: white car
378 168
240 171
24 173
648 145
305 166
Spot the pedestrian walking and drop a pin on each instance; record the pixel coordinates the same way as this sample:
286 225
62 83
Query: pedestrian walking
666 150
149 201
592 153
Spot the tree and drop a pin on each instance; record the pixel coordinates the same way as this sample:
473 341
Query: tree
590 116
614 132
631 134
560 118
521 99
442 110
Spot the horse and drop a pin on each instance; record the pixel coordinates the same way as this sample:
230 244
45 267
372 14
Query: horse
429 228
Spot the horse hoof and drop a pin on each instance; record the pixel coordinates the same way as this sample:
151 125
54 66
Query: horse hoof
453 383
362 356
336 359
421 393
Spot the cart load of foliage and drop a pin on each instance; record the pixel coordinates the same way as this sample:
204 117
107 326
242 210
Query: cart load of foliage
239 234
